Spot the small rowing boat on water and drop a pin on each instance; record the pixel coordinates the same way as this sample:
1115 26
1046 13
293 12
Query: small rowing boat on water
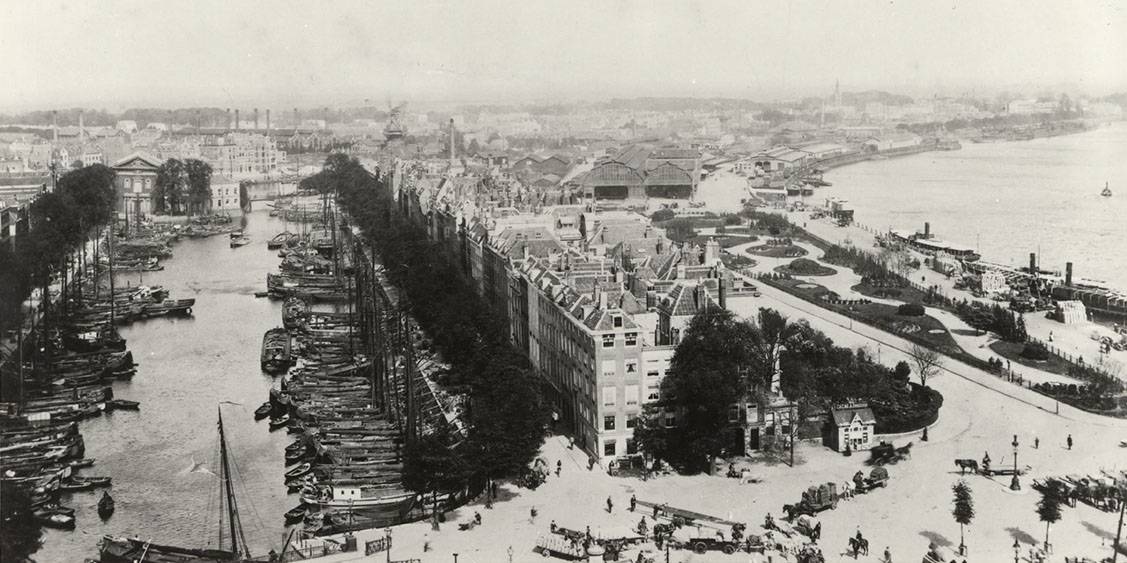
299 471
122 404
240 241
296 514
105 506
263 411
276 423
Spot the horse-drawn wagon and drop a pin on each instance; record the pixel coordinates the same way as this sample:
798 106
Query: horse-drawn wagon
878 477
814 500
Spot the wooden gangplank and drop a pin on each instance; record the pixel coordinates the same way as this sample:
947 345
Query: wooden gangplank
671 511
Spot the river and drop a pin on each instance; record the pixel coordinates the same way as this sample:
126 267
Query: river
187 367
1007 199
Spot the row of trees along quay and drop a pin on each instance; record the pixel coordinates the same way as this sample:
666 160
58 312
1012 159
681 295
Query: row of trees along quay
885 275
61 223
506 415
722 357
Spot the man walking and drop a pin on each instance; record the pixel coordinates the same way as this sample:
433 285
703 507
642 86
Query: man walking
633 503
1069 441
610 505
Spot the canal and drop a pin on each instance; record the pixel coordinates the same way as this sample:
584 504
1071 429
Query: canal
187 368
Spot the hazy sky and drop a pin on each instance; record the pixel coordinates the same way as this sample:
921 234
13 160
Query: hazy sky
119 53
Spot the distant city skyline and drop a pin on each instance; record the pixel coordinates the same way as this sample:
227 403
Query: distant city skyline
119 53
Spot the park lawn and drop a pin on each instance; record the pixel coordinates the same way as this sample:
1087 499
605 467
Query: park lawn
1012 351
777 251
805 267
905 294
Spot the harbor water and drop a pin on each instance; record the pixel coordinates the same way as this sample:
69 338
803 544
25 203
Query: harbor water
1007 199
187 368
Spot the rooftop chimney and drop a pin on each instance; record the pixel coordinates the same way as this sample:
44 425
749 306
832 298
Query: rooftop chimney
236 120
1068 273
927 230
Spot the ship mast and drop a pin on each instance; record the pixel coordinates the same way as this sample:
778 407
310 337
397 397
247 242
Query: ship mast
232 506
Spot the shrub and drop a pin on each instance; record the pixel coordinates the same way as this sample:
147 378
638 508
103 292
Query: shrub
732 220
662 215
1035 351
910 310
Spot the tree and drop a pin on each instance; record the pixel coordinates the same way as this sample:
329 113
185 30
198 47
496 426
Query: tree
902 372
705 379
1048 508
433 463
964 510
198 179
20 535
928 362
507 417
169 188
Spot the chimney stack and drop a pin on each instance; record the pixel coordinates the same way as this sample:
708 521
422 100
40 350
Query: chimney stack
228 118
1068 273
81 129
1033 263
236 120
296 121
451 142
267 120
54 126
927 230
256 119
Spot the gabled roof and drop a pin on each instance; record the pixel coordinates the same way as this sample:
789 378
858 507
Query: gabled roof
845 416
138 160
686 300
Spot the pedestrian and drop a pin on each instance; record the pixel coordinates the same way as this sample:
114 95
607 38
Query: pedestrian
655 512
532 513
493 488
590 463
559 467
588 533
1036 442
477 518
610 505
552 526
633 503
434 522
887 555
426 546
1069 441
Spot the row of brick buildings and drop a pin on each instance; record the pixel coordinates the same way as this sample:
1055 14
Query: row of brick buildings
598 302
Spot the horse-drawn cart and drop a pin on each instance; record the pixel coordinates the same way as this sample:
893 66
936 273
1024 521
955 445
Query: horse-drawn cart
814 500
878 477
563 548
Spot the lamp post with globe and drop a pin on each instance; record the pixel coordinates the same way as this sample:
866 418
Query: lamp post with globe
1015 483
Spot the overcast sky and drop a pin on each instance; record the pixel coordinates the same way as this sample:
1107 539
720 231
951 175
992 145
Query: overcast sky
116 53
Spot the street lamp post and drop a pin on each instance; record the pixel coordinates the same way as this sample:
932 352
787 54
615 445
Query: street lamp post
456 558
1017 551
1015 483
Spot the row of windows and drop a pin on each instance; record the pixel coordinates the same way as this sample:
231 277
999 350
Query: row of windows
610 396
631 339
610 447
609 421
610 367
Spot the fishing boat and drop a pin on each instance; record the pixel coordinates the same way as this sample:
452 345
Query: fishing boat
282 239
296 456
276 423
115 549
75 484
239 241
276 354
122 404
80 463
1106 191
295 514
55 520
105 506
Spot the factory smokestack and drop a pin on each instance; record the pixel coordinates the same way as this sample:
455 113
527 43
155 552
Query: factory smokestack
1033 263
54 126
1068 273
268 119
228 119
927 229
236 120
256 119
81 129
451 142
296 121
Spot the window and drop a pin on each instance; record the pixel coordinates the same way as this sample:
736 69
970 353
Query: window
631 394
610 368
631 339
734 413
631 366
608 341
670 420
653 391
653 373
608 448
631 420
618 321
608 422
610 396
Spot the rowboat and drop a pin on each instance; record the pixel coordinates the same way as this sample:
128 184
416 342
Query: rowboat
299 471
276 423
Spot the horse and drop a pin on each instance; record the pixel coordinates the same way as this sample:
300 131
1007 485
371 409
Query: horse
904 452
859 546
965 464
